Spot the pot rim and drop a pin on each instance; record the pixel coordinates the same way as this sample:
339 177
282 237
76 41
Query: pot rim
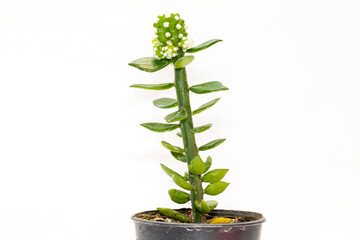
260 219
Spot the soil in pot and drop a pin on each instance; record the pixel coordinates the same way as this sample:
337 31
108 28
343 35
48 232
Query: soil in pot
210 218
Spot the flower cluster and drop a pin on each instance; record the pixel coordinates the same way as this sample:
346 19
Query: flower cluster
171 35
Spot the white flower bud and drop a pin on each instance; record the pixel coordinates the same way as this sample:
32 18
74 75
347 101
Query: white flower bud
166 24
167 34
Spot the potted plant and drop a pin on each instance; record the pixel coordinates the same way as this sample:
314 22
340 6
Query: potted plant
201 221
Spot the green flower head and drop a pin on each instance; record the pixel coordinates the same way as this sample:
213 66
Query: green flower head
171 36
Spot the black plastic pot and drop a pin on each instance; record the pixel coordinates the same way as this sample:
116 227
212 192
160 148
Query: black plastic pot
249 230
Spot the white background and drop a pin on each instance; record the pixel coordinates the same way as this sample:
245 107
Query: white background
75 164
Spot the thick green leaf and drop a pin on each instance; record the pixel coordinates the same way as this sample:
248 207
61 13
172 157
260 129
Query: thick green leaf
208 87
179 156
212 204
179 196
198 129
175 215
165 103
197 166
202 206
184 61
203 46
181 182
168 171
208 163
206 106
216 188
202 128
211 144
150 64
160 127
176 116
214 175
177 178
172 147
161 86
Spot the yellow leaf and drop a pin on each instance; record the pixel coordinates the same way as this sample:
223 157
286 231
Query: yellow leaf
220 220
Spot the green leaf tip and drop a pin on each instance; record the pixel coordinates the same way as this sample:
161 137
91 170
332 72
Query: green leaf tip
202 206
179 156
203 46
182 182
216 188
212 204
184 61
206 206
160 86
176 116
206 106
179 196
211 144
208 163
167 170
177 178
172 148
150 64
174 215
165 103
208 87
214 175
160 127
197 166
202 128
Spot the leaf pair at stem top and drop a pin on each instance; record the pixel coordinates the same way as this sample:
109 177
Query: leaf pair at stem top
153 64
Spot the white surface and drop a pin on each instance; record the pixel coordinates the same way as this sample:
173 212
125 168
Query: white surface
75 164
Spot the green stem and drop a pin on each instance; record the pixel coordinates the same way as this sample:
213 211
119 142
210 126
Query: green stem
186 126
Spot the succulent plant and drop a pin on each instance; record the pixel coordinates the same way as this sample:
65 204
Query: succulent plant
170 47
